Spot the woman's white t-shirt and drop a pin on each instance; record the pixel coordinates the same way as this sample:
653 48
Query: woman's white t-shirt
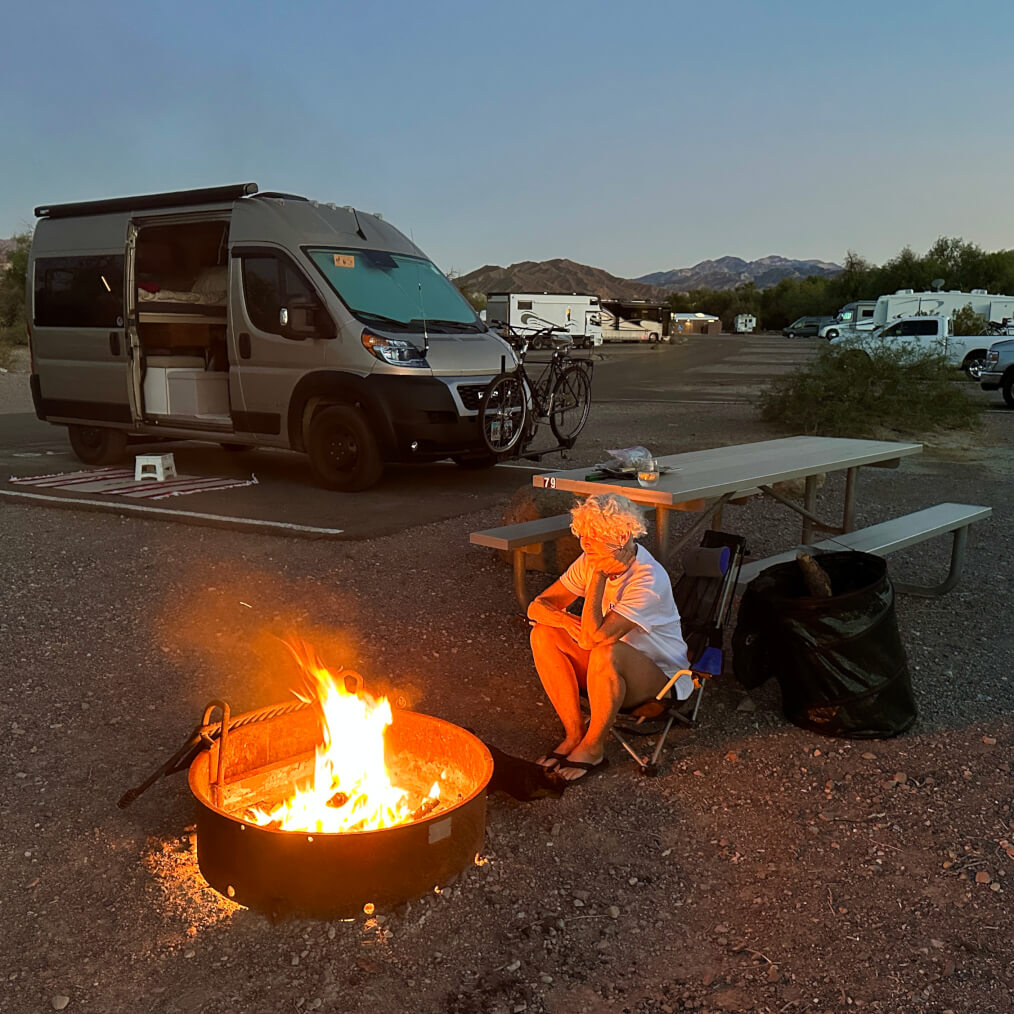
642 594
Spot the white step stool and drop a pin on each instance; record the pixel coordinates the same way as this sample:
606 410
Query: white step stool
154 466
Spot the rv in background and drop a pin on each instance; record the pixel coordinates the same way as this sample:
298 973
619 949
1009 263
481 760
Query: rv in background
532 311
852 318
637 320
907 302
744 323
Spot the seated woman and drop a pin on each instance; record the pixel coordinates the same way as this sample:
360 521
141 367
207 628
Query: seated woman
624 646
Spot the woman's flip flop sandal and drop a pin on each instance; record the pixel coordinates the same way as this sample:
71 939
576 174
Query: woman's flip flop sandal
582 766
552 760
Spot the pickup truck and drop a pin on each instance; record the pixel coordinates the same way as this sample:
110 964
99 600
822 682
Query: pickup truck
935 332
997 372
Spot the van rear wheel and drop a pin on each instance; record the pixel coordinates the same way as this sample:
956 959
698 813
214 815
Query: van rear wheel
97 445
343 451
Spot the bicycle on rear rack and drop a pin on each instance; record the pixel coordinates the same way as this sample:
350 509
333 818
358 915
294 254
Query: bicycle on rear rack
513 406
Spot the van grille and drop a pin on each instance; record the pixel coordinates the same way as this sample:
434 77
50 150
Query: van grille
471 395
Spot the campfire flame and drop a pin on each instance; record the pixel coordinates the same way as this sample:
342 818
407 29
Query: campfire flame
351 788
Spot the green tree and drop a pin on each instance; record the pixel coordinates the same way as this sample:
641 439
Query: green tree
12 283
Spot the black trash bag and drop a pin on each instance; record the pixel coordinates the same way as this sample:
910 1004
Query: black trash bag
839 661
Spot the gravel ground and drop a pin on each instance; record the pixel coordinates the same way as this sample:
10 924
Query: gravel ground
765 869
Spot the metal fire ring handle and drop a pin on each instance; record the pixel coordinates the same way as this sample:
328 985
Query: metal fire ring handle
218 783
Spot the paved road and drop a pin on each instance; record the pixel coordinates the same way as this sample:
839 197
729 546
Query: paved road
285 498
716 368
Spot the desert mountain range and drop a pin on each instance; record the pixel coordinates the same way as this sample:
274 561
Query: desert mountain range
562 275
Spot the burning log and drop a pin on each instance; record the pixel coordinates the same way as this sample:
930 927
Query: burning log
428 805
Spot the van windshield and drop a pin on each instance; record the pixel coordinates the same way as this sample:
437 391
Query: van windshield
395 291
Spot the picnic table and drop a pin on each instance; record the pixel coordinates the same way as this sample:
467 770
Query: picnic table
703 481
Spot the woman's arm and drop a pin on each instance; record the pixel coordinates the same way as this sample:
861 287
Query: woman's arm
550 608
595 628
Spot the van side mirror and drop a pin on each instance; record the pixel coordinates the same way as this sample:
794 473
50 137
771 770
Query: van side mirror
305 318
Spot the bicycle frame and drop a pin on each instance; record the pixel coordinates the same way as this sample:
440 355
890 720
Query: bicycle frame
540 390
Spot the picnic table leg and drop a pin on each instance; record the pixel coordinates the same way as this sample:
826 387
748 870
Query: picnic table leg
520 585
809 503
848 517
958 544
662 531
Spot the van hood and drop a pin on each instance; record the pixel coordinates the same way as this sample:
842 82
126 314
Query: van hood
465 355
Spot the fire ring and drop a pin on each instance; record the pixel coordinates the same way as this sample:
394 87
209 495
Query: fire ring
333 875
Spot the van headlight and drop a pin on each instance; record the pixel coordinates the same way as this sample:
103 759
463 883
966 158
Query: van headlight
395 351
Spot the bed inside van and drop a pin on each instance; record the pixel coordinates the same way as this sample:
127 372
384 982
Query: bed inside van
181 275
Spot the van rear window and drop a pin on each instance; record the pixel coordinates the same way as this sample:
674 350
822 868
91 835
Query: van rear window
79 291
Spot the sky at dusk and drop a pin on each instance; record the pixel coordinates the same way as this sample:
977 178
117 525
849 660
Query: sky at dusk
634 137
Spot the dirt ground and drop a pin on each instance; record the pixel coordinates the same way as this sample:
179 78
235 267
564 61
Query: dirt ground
766 869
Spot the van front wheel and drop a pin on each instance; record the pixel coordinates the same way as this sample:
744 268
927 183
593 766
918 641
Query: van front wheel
97 445
343 451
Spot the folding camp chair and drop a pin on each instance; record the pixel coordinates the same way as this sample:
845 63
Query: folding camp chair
703 594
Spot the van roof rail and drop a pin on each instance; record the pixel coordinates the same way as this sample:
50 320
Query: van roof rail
171 199
279 196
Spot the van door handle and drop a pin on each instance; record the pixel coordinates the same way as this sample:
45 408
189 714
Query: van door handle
244 345
114 343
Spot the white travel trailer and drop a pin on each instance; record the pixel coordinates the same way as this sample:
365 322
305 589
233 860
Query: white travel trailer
907 302
526 312
744 323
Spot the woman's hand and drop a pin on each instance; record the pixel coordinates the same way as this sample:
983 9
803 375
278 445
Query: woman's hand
618 561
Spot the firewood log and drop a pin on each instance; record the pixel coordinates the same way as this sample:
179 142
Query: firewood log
818 583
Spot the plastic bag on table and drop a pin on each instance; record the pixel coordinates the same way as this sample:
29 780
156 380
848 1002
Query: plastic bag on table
623 461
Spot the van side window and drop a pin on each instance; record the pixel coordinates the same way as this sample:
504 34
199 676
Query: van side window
270 283
79 291
894 331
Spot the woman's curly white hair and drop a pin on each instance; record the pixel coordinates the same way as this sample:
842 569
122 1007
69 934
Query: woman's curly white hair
608 517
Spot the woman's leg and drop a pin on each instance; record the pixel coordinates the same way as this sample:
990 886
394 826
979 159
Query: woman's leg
562 666
618 676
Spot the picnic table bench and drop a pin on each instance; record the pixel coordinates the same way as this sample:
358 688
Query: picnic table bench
898 533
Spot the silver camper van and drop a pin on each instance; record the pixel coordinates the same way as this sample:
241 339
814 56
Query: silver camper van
253 319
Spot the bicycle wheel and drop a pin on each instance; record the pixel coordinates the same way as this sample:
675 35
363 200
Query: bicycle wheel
502 416
571 401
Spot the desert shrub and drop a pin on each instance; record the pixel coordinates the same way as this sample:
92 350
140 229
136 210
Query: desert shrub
9 337
863 388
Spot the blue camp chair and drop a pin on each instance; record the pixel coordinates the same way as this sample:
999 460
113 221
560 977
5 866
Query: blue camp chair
704 594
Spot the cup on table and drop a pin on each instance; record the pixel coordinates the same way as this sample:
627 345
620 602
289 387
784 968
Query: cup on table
647 472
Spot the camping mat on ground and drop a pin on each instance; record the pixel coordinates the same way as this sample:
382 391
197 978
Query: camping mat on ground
121 482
